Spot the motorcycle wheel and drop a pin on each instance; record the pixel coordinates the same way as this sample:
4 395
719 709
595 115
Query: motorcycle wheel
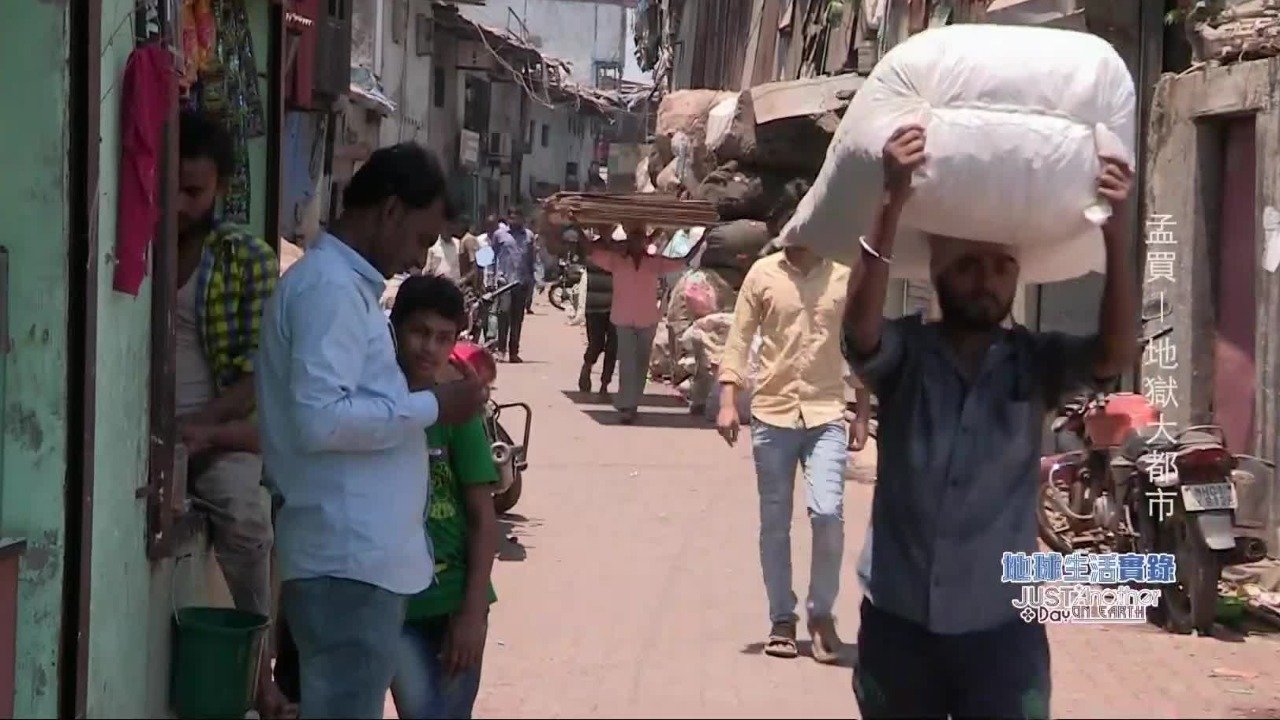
1192 602
1053 525
557 296
505 501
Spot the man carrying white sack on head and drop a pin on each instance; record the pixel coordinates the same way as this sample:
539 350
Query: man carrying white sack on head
962 403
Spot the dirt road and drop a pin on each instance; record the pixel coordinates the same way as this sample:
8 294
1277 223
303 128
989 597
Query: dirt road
635 590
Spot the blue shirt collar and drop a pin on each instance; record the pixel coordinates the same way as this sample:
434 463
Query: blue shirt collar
355 260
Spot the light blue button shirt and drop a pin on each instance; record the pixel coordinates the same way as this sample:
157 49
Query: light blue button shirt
342 434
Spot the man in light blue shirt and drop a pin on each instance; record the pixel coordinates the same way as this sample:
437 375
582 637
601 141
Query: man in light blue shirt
516 256
343 437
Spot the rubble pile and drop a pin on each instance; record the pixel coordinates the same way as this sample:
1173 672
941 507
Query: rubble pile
1256 587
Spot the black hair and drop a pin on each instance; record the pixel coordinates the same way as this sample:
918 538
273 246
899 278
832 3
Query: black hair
792 193
429 293
406 171
201 137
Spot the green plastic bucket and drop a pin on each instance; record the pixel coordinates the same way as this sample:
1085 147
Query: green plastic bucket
216 659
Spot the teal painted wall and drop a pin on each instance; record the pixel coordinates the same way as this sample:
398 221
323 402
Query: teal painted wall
33 204
120 598
131 598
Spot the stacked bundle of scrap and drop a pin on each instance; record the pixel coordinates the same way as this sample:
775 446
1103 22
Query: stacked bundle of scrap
607 211
737 151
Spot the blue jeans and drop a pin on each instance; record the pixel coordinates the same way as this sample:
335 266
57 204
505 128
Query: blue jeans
421 688
823 453
346 632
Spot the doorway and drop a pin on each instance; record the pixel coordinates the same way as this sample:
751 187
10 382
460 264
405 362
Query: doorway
1235 305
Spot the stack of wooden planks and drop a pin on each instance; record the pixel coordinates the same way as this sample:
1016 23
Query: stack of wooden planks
653 210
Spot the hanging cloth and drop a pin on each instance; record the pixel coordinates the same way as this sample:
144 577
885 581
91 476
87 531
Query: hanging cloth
149 89
229 92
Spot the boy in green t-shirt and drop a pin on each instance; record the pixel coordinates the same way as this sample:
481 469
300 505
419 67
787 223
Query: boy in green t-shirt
438 671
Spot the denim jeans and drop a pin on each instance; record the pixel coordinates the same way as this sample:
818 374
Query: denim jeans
347 633
823 453
905 671
421 688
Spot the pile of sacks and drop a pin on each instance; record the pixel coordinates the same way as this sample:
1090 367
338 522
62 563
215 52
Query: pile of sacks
691 337
738 150
696 295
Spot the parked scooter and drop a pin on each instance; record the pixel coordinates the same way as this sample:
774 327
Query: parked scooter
510 458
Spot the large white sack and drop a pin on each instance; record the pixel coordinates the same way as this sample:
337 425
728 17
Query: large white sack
1014 117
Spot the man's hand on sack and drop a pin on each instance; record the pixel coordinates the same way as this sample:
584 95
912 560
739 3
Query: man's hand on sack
1115 181
903 154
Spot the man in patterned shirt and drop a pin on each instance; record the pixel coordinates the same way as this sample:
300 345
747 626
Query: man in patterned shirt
225 275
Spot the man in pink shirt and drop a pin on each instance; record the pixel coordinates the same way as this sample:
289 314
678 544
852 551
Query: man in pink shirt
636 267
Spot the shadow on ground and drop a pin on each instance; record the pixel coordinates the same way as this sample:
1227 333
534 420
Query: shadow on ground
650 419
848 656
513 529
651 400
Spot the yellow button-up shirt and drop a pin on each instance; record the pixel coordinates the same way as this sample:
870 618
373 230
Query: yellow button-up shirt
801 376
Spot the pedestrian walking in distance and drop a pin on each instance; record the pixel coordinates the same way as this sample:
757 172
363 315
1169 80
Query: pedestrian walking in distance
602 336
962 404
795 300
635 267
516 257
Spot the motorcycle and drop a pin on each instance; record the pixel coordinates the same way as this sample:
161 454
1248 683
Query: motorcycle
1185 505
1081 500
509 457
562 292
1120 482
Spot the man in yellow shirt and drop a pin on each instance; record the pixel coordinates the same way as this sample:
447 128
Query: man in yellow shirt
795 300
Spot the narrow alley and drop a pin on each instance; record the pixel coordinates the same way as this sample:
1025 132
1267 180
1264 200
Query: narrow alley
634 587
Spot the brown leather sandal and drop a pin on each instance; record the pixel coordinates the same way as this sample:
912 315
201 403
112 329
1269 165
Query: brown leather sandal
782 641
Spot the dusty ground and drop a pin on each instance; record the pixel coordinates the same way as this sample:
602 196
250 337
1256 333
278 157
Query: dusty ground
635 591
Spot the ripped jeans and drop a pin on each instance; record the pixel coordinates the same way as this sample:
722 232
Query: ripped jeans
823 453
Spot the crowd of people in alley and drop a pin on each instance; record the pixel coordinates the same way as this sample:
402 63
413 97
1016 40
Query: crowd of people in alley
333 389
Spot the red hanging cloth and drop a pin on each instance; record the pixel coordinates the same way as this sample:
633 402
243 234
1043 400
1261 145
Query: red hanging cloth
148 91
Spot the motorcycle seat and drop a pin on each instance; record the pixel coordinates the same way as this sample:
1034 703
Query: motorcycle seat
1142 441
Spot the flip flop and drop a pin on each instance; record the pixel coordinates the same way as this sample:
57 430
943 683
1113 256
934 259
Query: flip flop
782 641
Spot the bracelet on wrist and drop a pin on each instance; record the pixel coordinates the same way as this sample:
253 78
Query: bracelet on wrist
866 247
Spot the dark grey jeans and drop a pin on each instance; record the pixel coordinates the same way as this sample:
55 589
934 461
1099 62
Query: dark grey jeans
347 633
905 671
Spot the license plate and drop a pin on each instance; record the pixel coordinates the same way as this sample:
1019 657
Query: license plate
1218 496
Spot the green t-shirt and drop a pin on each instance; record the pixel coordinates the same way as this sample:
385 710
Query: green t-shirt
460 458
